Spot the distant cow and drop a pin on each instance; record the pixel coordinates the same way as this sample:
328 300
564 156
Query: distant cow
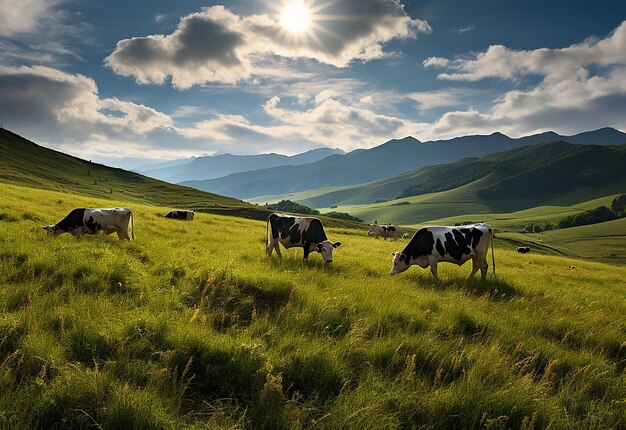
405 236
181 215
429 245
384 231
301 232
523 249
91 221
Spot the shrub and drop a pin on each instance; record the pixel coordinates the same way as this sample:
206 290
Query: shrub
595 216
343 215
289 206
619 205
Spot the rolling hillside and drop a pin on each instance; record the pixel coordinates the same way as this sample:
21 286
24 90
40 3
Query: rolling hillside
389 159
551 174
25 163
209 167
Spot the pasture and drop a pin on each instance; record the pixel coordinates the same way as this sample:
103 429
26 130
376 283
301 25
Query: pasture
192 326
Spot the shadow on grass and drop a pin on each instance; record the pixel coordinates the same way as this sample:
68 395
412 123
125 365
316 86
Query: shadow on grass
314 262
494 289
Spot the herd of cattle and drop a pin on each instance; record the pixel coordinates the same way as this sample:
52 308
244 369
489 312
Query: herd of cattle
427 247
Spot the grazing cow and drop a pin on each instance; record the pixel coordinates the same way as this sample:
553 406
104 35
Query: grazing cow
384 231
523 249
301 232
181 215
405 236
429 245
91 221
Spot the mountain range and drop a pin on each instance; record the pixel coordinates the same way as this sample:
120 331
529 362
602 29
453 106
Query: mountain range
387 160
209 167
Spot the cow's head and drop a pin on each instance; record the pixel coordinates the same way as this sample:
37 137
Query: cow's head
52 230
400 263
326 249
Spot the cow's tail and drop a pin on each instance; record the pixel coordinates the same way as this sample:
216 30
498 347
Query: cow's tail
267 233
493 256
132 225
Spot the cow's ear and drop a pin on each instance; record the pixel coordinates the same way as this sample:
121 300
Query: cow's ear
394 254
402 257
336 244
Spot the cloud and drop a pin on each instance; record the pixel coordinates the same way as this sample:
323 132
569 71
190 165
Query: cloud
507 64
582 87
445 97
65 111
25 16
216 45
465 29
329 120
38 32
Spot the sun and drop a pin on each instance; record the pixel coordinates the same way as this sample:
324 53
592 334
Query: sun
296 17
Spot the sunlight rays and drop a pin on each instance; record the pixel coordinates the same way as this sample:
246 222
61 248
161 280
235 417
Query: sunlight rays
302 21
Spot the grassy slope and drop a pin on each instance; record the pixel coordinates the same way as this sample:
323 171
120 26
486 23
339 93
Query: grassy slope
192 326
462 201
24 163
510 173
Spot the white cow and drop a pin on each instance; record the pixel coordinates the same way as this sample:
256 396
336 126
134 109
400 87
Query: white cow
430 245
91 221
384 231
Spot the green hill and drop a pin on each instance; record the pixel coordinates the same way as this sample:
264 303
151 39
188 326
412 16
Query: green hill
535 175
386 160
539 172
25 163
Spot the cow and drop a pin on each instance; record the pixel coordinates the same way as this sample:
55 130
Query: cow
405 236
429 245
181 215
91 221
384 231
301 232
523 249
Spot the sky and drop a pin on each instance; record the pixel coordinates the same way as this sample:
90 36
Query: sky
128 83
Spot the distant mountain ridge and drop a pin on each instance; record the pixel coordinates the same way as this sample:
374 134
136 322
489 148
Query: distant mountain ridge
217 166
386 160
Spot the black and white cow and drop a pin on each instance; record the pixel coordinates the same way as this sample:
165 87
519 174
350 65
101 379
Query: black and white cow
301 232
181 215
91 221
384 231
430 245
523 249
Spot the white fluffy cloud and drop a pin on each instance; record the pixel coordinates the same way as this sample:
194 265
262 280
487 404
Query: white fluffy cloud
65 111
504 63
25 16
582 87
329 119
216 45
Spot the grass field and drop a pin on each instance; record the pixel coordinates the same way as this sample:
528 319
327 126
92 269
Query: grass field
191 326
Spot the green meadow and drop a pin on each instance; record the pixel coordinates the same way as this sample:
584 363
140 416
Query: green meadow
192 326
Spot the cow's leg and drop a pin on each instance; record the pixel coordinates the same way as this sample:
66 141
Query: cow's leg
475 267
433 268
483 270
277 248
120 235
270 247
307 250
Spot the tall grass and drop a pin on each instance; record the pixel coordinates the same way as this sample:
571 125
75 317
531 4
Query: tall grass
191 326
